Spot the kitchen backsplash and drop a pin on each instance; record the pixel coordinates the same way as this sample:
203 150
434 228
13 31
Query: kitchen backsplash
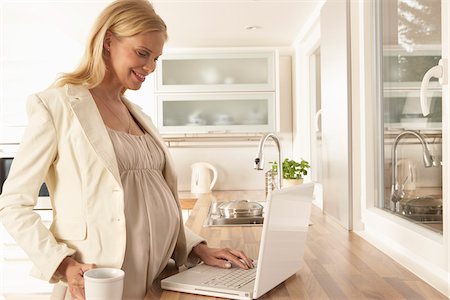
234 164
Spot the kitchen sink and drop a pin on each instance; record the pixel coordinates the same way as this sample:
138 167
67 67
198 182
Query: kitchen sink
221 221
215 219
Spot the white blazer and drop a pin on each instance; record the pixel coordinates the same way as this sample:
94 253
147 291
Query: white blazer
66 145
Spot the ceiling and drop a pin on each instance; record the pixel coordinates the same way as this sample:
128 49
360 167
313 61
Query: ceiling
191 23
222 23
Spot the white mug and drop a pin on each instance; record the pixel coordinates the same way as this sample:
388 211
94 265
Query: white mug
103 284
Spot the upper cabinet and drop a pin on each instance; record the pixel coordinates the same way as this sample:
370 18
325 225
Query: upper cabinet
402 73
405 69
409 45
216 112
216 72
217 91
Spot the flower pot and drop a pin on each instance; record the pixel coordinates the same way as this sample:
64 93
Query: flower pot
291 182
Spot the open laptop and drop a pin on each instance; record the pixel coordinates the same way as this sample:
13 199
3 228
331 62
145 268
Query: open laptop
286 220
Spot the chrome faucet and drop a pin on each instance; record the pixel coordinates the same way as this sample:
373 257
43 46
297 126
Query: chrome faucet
396 193
259 160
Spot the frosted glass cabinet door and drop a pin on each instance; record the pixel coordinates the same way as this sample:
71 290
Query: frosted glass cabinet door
402 109
216 113
403 69
214 72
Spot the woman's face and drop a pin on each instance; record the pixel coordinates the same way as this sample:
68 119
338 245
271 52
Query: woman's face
131 59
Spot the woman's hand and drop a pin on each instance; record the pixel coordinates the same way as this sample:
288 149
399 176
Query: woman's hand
73 272
222 258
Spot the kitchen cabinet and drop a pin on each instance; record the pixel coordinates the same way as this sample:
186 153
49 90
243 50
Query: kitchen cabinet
217 91
402 110
216 113
216 71
402 74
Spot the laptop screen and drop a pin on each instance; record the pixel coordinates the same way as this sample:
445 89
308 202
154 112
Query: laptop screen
283 240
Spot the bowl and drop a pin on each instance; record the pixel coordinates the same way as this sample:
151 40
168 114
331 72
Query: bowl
424 205
240 208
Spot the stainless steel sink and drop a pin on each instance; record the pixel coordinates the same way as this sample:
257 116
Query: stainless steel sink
215 219
241 221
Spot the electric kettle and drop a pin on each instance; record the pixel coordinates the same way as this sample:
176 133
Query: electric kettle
201 181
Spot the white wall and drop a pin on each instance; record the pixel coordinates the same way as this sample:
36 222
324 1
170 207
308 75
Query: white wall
38 41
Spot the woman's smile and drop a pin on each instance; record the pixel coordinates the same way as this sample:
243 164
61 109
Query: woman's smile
140 77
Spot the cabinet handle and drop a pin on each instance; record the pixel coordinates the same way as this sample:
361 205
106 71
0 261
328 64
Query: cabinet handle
318 115
438 71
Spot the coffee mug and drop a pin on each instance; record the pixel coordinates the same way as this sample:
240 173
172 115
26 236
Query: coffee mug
103 284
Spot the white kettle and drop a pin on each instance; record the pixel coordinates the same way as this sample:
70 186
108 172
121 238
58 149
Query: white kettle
201 177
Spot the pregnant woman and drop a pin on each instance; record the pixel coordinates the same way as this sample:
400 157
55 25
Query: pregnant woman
110 176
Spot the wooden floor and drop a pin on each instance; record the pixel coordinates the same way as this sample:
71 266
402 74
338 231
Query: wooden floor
341 265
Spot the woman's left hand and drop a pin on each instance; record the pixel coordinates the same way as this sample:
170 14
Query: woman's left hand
222 258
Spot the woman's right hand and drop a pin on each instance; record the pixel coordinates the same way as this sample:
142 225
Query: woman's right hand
73 272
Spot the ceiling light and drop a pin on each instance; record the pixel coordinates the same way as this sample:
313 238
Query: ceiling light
253 27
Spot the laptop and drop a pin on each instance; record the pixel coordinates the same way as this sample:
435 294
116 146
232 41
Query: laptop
286 220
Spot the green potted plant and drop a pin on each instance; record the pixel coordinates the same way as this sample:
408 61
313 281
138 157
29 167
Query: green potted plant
293 171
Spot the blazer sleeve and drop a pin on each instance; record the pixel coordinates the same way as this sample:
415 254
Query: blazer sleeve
192 240
36 153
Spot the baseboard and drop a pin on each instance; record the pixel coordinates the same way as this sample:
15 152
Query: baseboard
437 278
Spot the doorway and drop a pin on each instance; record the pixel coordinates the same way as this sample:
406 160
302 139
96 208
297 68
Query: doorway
316 124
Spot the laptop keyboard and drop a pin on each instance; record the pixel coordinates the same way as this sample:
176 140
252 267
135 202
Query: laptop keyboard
234 278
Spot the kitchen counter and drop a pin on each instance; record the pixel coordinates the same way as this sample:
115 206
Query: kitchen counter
338 263
244 238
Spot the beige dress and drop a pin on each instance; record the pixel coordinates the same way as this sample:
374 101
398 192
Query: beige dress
151 213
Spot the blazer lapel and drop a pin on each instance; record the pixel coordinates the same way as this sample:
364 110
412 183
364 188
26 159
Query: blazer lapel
85 109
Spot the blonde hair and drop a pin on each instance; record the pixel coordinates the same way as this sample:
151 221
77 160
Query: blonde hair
123 18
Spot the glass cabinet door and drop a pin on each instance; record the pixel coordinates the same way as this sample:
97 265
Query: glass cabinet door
404 68
409 44
216 72
216 113
402 110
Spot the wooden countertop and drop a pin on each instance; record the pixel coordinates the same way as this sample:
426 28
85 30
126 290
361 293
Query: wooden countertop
244 238
338 263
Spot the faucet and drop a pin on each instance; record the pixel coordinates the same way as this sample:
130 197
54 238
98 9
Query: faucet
396 193
259 160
